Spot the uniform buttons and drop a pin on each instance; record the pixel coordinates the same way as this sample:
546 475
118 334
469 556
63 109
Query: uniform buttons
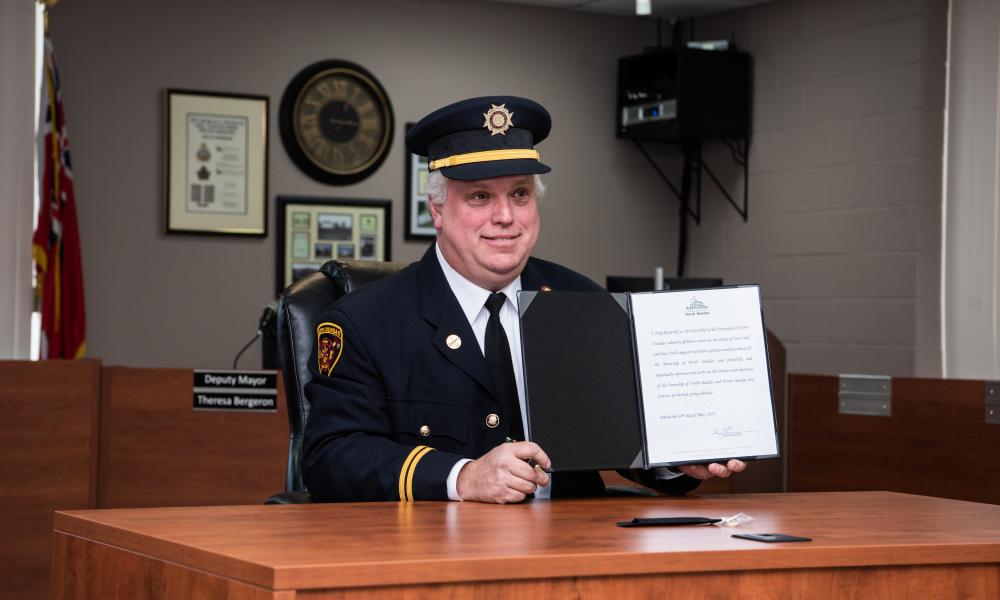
425 430
492 420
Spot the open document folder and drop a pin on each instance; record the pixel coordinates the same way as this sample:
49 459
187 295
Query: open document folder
616 381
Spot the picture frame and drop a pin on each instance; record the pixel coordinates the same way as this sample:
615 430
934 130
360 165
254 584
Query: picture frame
312 230
418 217
215 163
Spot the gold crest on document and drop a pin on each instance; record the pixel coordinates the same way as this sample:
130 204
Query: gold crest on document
329 345
498 119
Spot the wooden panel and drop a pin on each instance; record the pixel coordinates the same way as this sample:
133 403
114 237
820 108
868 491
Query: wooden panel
157 451
902 583
90 570
48 444
935 443
321 546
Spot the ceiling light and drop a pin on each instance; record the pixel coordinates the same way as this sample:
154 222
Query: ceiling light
643 7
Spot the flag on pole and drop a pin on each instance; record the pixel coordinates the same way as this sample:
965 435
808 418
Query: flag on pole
56 243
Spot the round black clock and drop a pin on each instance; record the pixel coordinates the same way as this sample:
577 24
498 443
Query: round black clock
336 122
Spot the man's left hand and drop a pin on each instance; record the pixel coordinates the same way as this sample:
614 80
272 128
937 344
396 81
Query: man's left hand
713 470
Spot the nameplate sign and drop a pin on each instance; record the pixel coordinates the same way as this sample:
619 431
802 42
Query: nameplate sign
253 391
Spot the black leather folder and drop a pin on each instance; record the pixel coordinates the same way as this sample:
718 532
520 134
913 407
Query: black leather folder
583 392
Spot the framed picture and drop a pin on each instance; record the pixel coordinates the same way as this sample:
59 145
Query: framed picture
215 171
314 230
419 225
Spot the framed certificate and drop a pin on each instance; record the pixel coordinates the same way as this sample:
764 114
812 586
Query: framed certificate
215 172
314 230
419 225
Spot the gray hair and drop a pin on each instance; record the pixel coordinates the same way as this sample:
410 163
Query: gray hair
437 187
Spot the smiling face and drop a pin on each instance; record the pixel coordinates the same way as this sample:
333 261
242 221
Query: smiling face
488 228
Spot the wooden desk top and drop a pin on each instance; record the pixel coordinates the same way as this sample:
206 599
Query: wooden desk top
341 545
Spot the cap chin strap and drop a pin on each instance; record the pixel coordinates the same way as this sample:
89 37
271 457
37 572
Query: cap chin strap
484 156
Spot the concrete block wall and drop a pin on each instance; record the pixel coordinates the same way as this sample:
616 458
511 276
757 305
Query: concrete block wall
845 181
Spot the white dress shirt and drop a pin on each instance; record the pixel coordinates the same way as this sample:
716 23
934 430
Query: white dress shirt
472 299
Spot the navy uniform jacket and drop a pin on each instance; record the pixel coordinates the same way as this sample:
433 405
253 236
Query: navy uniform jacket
400 407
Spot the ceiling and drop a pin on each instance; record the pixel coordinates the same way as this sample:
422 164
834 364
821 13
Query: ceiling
661 8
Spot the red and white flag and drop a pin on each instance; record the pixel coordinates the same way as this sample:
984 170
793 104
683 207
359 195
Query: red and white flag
56 243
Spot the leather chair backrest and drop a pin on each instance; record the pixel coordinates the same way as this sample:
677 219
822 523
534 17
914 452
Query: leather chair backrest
299 309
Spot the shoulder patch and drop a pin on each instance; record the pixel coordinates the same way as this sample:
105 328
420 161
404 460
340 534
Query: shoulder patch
329 345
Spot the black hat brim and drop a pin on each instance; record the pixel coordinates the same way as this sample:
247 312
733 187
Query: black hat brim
495 168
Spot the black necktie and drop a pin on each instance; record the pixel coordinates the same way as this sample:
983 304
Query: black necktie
497 351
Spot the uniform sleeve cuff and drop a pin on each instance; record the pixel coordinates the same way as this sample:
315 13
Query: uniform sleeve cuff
425 478
453 479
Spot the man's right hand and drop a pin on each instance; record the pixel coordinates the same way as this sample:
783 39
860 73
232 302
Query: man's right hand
502 475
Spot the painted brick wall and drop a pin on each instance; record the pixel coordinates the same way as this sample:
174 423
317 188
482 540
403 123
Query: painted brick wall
845 183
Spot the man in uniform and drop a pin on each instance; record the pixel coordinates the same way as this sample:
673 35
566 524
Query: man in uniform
415 386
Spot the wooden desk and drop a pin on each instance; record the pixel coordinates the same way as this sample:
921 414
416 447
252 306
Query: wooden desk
866 544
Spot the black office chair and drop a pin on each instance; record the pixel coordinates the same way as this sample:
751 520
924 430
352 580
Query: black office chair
298 308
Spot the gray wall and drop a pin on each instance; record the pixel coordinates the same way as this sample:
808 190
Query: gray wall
845 184
157 300
845 226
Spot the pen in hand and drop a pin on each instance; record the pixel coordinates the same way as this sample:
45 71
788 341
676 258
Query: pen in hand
536 466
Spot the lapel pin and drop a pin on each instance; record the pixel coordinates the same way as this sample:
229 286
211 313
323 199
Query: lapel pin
546 288
454 342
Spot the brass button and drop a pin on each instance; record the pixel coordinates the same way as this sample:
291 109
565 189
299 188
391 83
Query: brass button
492 420
425 430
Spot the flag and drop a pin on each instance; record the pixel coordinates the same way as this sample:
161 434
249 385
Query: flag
56 243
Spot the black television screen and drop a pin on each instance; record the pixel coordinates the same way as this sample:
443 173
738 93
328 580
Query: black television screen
621 283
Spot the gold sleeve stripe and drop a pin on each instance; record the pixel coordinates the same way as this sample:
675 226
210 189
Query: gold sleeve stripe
484 156
413 467
405 469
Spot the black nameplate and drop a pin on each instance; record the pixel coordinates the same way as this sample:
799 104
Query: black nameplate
267 380
235 401
255 391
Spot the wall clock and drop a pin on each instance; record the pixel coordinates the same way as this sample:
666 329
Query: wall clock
336 122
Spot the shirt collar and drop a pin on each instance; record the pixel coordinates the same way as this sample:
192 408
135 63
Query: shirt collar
470 296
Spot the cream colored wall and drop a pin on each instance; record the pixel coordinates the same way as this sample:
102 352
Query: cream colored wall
193 301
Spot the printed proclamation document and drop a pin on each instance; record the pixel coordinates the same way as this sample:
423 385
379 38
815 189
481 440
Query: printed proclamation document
703 375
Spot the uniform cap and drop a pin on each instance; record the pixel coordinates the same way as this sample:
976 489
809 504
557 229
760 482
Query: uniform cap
480 138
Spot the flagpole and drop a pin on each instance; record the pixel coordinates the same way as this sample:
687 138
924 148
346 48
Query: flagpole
48 4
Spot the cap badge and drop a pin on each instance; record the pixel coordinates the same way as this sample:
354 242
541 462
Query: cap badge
498 119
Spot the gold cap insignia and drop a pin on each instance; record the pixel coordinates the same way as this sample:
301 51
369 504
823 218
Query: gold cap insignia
329 345
498 119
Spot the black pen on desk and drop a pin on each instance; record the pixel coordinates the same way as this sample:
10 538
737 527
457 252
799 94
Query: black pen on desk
537 467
